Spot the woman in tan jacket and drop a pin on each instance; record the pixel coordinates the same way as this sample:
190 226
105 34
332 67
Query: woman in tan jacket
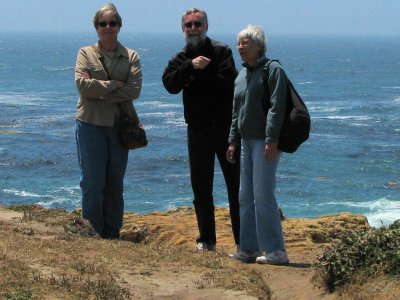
108 76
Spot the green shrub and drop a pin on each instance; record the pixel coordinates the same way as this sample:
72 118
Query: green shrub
370 252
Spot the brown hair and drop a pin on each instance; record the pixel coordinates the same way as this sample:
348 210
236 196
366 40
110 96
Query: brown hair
107 7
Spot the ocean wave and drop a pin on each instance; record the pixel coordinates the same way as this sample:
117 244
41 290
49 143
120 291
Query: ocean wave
159 104
383 218
379 212
60 202
58 69
62 197
356 118
19 99
72 190
159 114
31 163
20 193
391 87
322 109
176 122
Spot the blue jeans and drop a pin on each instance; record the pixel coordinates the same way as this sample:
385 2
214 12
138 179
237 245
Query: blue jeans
260 224
102 160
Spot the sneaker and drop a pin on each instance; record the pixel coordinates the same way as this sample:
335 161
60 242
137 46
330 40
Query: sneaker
245 256
274 258
201 246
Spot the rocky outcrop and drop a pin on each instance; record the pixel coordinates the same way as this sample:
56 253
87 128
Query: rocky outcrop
179 227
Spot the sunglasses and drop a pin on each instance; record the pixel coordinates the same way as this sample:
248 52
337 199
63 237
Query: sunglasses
196 24
111 24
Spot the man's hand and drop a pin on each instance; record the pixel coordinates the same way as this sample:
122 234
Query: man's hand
200 62
230 153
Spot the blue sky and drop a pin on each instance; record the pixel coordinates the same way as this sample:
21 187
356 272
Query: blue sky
366 17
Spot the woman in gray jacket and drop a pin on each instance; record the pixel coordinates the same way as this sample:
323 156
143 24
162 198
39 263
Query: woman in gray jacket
108 76
257 131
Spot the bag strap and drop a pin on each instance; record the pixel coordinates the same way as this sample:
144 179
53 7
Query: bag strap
267 96
293 98
96 50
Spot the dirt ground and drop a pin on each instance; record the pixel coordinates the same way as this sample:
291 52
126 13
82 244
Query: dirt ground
52 255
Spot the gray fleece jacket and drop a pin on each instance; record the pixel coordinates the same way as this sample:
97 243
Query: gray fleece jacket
249 118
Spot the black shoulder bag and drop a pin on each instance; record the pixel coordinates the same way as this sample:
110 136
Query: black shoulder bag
297 123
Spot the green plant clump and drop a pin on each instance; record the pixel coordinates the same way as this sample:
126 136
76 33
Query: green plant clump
372 252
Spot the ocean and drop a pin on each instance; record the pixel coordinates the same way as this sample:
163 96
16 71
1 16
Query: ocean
351 85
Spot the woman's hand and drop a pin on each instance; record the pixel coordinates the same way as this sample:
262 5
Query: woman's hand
271 151
230 153
120 84
85 75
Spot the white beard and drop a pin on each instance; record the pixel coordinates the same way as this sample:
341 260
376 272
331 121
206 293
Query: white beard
196 40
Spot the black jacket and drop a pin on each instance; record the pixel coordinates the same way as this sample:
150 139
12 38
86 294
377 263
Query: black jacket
207 93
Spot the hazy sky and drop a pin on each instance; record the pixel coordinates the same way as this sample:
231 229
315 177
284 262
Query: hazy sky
374 17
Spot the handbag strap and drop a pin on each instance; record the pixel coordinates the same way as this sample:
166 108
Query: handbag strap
266 99
96 50
293 98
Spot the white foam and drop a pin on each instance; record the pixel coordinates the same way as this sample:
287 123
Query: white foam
322 109
51 69
379 212
72 190
21 193
59 202
160 114
159 104
357 118
385 218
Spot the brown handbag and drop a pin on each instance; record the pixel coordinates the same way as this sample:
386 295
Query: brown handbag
132 132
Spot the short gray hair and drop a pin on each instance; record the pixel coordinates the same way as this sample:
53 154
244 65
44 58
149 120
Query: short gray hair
107 7
256 34
193 11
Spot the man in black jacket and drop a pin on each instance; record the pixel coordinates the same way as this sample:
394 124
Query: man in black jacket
205 71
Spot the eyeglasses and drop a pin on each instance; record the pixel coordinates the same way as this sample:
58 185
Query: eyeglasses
196 24
111 24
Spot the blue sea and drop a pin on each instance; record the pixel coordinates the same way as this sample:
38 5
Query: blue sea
351 162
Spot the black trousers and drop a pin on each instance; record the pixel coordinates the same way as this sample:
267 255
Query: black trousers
204 143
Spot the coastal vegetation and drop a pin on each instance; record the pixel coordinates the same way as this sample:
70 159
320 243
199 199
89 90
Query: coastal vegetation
359 256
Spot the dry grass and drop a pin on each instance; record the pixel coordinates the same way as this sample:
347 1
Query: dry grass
50 254
45 254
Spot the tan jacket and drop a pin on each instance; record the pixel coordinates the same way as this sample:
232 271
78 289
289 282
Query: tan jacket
99 96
